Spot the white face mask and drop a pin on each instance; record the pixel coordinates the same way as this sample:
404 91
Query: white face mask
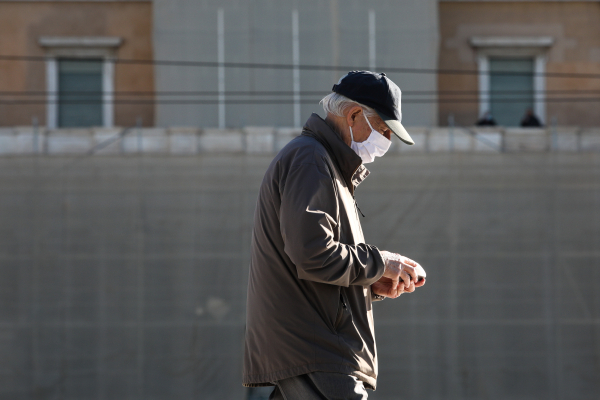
376 145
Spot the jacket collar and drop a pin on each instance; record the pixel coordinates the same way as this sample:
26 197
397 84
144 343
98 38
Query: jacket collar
348 162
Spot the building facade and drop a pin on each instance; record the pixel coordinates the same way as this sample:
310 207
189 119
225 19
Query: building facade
542 55
58 64
231 64
274 61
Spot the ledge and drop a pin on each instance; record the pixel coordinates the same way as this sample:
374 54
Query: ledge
511 41
190 141
80 41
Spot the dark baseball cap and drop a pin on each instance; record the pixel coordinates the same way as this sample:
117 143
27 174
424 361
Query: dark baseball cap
377 91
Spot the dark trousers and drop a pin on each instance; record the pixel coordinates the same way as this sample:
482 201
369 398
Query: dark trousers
320 386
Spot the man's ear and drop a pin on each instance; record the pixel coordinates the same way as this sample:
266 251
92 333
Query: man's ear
353 113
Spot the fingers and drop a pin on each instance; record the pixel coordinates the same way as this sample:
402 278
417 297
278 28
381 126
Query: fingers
410 266
406 260
395 283
410 271
403 273
405 277
397 291
400 288
407 283
409 277
392 269
388 288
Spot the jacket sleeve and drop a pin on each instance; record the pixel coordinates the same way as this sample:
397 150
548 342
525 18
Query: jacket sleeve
309 206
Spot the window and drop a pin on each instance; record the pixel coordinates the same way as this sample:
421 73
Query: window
80 80
79 92
511 89
507 96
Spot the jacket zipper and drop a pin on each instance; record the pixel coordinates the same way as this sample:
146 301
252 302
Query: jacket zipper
345 302
356 204
353 189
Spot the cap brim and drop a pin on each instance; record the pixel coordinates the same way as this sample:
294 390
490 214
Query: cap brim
397 128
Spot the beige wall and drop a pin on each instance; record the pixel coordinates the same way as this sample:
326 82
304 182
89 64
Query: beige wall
575 27
21 25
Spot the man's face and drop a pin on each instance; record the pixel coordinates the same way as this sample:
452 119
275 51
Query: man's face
361 129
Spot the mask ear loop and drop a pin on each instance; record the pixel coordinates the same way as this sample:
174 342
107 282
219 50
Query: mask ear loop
365 115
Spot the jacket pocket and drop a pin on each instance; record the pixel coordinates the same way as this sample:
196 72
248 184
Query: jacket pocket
343 309
346 303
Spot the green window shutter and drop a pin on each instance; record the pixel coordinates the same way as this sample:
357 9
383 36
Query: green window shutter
79 93
510 95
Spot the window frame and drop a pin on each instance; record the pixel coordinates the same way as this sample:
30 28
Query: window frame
511 47
80 47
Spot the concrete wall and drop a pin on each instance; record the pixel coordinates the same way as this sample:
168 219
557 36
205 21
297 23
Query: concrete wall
331 33
574 26
124 277
22 23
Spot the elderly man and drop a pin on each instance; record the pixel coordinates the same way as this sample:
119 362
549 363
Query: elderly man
309 328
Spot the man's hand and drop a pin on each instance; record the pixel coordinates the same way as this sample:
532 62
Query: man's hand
399 276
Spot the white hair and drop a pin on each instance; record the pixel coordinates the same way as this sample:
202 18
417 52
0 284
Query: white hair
336 104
